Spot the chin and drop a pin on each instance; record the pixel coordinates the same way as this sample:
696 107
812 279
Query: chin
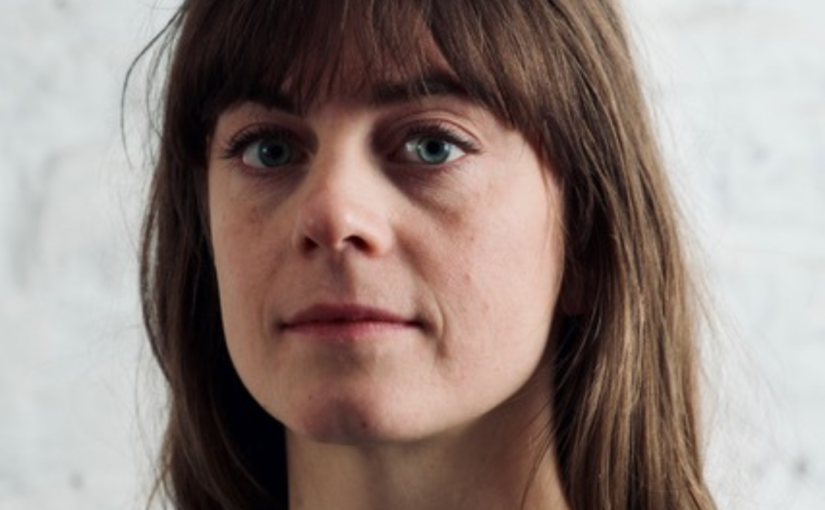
352 420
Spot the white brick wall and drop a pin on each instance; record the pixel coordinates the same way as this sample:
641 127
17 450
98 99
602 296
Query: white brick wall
739 88
742 87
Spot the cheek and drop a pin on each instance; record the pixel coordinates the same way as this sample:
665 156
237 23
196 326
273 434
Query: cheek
501 279
245 261
514 275
246 247
235 246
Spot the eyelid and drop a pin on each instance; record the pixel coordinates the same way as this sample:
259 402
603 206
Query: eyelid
437 129
240 141
392 142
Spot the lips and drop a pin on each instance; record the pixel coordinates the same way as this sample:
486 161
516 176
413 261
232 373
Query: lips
346 320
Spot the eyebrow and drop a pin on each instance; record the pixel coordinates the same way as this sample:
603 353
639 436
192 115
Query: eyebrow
384 93
430 85
271 99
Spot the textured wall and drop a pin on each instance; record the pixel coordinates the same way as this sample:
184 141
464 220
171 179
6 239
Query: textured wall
739 89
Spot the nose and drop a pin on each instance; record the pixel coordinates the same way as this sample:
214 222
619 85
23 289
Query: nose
344 205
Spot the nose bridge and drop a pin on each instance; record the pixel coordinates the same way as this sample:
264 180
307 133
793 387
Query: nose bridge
341 203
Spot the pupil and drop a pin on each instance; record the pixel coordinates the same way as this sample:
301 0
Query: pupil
273 154
435 150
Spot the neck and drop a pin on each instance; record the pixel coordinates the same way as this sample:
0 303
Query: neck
505 461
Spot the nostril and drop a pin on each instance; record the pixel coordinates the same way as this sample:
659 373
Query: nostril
308 244
341 222
356 242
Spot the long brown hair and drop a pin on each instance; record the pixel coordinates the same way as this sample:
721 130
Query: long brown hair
561 71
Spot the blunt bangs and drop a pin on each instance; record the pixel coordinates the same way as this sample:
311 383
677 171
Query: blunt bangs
231 52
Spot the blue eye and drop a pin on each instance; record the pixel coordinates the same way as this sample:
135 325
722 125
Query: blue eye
432 151
268 153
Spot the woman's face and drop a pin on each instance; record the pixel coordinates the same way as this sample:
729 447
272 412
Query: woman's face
388 266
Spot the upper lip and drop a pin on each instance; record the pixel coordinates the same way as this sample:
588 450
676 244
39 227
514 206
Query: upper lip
345 312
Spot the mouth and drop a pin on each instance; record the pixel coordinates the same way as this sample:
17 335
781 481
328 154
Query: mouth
346 321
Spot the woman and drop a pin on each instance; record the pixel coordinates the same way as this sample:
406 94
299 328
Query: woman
414 254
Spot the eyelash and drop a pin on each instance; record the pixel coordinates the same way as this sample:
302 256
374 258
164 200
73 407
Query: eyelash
441 131
239 143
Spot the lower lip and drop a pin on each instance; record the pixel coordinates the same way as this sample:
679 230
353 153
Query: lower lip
348 330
